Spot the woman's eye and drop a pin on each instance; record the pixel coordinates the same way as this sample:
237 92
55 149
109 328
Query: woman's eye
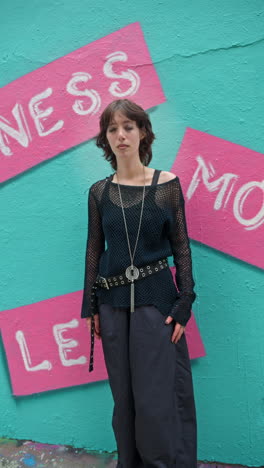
127 129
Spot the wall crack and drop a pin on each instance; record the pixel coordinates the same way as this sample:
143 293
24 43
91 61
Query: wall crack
203 52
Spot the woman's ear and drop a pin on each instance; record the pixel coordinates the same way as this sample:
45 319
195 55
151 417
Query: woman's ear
142 133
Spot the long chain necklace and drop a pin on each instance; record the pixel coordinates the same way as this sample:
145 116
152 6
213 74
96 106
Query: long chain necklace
132 272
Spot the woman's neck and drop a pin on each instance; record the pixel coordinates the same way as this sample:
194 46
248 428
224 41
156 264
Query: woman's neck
134 177
130 171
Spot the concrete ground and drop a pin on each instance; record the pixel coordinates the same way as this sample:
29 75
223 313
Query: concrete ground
21 454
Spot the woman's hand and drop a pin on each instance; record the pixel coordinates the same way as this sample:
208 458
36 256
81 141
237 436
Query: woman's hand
178 330
96 325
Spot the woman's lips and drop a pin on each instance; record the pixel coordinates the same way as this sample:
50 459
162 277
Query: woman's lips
122 146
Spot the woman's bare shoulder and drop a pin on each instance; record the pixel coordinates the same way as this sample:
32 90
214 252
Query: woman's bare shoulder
165 176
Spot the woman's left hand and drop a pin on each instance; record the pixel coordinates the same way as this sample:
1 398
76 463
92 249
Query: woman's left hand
178 330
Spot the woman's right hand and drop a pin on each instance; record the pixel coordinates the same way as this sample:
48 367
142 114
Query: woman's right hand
96 325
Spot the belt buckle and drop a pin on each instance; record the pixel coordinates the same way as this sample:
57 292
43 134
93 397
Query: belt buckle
105 281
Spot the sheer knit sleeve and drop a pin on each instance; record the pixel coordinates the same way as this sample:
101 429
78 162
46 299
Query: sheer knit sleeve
180 245
94 248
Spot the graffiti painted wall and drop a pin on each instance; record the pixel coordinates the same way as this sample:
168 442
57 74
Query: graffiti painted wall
201 81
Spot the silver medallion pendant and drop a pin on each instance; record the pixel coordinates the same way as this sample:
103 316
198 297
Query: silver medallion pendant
132 273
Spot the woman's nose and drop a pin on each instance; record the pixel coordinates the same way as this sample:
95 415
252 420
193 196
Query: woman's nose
120 133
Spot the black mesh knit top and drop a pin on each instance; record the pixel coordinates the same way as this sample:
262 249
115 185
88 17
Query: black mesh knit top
163 233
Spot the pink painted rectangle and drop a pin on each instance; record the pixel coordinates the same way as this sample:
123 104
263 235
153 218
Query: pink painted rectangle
194 340
47 345
58 106
223 189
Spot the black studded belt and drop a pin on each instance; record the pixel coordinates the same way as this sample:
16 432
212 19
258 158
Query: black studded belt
119 280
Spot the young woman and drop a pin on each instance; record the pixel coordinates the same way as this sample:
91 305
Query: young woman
137 220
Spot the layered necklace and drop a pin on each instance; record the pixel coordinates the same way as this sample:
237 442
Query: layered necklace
132 271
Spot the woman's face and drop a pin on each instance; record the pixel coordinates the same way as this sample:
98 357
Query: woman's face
123 135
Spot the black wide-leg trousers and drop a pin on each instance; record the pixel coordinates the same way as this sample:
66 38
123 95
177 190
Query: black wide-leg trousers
154 417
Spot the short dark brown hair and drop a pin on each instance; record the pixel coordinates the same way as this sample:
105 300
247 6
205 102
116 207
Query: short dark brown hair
133 112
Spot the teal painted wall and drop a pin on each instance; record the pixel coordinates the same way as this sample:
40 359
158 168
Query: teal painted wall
209 57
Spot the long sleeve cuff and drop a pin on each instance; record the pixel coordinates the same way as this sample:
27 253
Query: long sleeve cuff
181 310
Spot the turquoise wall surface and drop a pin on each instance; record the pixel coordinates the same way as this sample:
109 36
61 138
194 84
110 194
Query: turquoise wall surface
209 58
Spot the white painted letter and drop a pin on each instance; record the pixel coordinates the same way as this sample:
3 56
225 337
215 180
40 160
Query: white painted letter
38 114
239 201
22 135
72 88
65 344
130 75
44 365
222 182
